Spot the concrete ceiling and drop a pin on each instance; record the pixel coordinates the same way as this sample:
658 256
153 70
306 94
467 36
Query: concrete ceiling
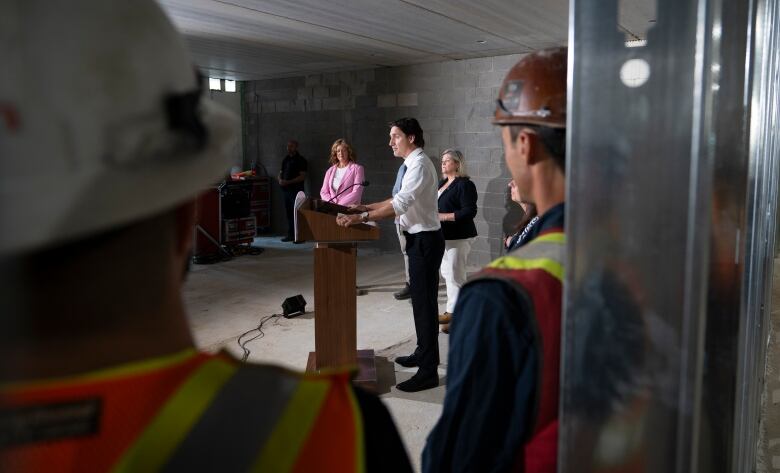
257 39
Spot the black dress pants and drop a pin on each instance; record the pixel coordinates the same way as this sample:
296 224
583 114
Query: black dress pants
289 207
425 250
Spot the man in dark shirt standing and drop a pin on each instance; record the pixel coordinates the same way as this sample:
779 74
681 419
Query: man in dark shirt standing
500 412
291 179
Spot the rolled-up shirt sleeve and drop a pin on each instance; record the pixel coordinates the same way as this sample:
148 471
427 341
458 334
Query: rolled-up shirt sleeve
411 189
491 383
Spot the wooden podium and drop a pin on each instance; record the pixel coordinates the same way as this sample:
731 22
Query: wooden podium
335 304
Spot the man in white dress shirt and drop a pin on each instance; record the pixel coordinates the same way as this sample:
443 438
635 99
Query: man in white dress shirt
416 206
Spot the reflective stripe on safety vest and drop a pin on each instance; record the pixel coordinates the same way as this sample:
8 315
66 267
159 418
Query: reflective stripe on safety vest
155 445
228 417
544 252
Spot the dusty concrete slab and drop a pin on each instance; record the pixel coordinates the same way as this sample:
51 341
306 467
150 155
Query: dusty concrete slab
227 299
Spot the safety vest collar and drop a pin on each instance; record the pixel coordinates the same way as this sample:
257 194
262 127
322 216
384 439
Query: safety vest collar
134 368
545 252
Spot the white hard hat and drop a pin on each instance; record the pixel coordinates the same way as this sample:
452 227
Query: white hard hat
100 120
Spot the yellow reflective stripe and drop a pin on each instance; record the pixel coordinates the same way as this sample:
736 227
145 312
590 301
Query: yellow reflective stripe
291 431
174 421
556 237
357 415
127 369
553 267
143 366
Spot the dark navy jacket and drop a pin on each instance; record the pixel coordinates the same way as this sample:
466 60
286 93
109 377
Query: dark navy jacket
461 198
491 377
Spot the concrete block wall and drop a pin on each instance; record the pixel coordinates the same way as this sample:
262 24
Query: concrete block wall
454 102
231 101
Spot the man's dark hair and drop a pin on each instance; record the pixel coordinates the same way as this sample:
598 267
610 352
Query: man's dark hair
553 140
410 126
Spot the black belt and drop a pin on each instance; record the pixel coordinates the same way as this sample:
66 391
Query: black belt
421 233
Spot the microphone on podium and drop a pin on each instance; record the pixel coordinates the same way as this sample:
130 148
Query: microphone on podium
364 184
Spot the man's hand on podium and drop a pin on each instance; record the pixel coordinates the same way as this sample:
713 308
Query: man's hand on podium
358 214
345 220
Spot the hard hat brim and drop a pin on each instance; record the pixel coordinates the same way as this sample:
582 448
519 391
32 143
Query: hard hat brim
48 210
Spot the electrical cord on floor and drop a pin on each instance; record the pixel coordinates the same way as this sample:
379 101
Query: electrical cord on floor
260 334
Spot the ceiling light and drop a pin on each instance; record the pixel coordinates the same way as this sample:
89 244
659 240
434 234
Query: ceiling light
230 85
636 43
635 72
215 84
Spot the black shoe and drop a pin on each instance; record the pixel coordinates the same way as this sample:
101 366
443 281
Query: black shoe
419 382
404 293
407 361
287 238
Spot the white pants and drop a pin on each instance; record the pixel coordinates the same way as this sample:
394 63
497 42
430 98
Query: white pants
453 268
402 241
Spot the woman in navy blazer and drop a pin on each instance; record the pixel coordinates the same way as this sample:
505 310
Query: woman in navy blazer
343 173
457 209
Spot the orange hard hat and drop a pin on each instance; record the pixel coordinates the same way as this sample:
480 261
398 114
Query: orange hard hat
534 91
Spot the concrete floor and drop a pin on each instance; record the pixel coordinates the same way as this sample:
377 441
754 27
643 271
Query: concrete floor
226 299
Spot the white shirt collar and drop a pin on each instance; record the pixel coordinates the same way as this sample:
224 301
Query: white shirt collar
412 156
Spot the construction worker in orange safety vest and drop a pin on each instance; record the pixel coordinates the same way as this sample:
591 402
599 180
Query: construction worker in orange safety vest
106 143
501 407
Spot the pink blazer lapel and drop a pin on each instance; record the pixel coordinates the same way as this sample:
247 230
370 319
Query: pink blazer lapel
348 177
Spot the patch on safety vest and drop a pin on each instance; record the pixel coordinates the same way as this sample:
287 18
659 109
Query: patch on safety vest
48 422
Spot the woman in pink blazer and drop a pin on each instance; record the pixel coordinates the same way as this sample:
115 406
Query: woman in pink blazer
343 173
